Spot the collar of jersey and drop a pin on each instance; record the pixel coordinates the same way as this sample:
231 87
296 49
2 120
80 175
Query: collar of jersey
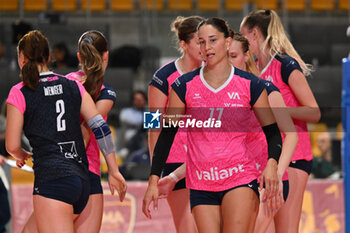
46 73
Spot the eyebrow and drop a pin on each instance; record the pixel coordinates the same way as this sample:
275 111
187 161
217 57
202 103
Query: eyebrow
212 36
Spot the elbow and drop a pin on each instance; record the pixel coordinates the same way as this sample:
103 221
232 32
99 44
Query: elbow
316 115
12 149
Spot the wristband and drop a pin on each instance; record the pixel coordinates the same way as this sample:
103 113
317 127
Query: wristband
174 177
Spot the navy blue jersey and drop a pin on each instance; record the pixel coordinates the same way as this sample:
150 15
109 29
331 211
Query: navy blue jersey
51 123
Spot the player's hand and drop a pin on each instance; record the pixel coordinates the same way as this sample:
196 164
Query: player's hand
269 180
151 195
165 185
117 182
275 203
20 162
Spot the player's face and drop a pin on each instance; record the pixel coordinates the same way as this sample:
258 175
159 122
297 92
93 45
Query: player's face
213 44
193 49
237 56
249 34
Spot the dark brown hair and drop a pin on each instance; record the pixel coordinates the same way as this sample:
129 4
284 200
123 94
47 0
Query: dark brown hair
92 45
220 24
185 27
35 47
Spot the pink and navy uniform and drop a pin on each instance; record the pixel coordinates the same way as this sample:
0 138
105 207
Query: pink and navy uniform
278 71
51 123
256 138
162 79
218 158
92 149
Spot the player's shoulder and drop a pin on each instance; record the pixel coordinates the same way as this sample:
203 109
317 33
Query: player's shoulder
185 78
286 60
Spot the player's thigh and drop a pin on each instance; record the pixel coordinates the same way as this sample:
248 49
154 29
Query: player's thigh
207 218
239 210
53 216
89 221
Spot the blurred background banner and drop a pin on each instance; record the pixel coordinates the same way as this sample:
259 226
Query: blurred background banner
323 209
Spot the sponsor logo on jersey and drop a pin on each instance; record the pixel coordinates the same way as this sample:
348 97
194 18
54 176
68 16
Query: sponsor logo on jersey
233 95
215 174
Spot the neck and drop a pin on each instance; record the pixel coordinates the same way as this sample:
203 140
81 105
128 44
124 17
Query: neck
263 59
188 64
217 74
43 68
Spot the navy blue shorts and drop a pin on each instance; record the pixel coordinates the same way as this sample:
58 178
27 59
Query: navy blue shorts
72 190
285 189
169 168
199 197
95 184
302 165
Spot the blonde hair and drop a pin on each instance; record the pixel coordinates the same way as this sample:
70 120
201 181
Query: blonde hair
250 64
276 39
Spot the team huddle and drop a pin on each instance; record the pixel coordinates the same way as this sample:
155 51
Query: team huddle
246 175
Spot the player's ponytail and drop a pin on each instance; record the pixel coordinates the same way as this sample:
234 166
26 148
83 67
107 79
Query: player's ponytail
276 39
35 47
92 45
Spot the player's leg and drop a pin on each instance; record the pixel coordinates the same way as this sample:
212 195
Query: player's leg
53 216
240 208
179 202
89 221
30 226
262 221
288 217
208 218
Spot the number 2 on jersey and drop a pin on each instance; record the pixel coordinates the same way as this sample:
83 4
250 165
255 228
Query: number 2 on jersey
61 123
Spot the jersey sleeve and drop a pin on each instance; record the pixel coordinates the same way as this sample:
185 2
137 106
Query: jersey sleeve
81 88
107 93
179 86
270 87
160 82
257 86
16 98
289 64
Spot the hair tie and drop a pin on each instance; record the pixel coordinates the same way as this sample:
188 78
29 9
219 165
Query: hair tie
89 40
267 12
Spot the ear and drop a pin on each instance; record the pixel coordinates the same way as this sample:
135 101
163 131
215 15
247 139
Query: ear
183 45
105 57
255 33
79 58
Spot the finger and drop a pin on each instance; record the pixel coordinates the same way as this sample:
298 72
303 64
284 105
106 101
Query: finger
155 203
145 208
122 195
261 185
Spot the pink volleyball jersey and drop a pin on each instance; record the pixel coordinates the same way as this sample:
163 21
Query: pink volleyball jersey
256 139
162 79
218 158
278 71
92 149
